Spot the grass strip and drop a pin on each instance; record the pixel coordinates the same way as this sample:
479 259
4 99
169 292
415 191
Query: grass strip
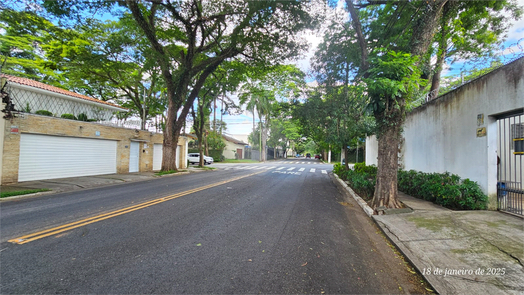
23 192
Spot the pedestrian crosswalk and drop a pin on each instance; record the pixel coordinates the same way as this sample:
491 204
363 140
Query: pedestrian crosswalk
277 169
298 162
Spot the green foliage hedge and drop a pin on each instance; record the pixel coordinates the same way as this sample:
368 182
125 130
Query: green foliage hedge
44 113
445 189
361 178
82 117
68 116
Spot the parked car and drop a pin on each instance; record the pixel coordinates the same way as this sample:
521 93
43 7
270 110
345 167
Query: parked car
194 158
308 156
317 157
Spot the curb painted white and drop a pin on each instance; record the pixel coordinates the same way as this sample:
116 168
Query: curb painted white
359 200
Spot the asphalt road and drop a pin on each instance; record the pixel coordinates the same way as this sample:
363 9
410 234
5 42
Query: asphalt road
279 227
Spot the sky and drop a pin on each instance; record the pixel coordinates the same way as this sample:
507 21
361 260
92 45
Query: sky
514 46
242 124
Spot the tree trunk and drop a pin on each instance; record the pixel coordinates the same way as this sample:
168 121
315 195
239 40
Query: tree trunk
201 154
206 145
424 27
346 154
442 50
389 125
215 115
171 135
386 187
435 81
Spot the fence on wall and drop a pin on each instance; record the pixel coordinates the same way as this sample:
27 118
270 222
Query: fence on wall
510 152
31 102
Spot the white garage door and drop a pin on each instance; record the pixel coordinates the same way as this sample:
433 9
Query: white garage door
48 157
157 156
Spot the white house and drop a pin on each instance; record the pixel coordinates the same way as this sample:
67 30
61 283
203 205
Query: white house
234 148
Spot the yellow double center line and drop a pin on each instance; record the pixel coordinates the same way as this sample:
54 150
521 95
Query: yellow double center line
80 223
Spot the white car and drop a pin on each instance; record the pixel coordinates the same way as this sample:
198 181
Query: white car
194 158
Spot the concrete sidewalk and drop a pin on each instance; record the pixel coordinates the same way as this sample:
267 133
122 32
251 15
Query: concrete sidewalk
459 252
78 183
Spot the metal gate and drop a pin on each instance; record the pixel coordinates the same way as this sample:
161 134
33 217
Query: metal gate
510 191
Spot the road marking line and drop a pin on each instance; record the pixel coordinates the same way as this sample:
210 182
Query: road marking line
69 226
292 168
270 167
324 172
312 170
303 162
280 168
261 167
301 169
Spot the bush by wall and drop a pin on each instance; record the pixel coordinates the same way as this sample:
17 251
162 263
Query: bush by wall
82 117
216 155
44 113
68 116
361 178
445 189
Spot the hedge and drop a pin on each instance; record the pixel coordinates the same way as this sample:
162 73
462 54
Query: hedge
68 116
445 189
44 113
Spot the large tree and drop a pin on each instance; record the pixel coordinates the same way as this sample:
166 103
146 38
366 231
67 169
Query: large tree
190 39
106 60
390 90
470 29
24 45
396 46
265 88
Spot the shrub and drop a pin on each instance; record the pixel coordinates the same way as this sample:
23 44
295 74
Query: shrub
362 168
361 179
445 189
338 169
82 117
68 116
44 113
215 154
362 183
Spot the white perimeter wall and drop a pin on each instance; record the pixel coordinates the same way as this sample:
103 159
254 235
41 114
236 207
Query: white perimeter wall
371 150
441 135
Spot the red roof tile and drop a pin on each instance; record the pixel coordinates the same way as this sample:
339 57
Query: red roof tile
33 83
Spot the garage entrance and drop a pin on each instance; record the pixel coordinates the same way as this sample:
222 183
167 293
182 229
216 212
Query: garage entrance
510 152
49 157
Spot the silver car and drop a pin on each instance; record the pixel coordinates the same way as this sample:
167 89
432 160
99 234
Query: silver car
194 158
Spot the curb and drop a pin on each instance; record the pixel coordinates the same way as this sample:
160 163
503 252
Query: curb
357 198
395 241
